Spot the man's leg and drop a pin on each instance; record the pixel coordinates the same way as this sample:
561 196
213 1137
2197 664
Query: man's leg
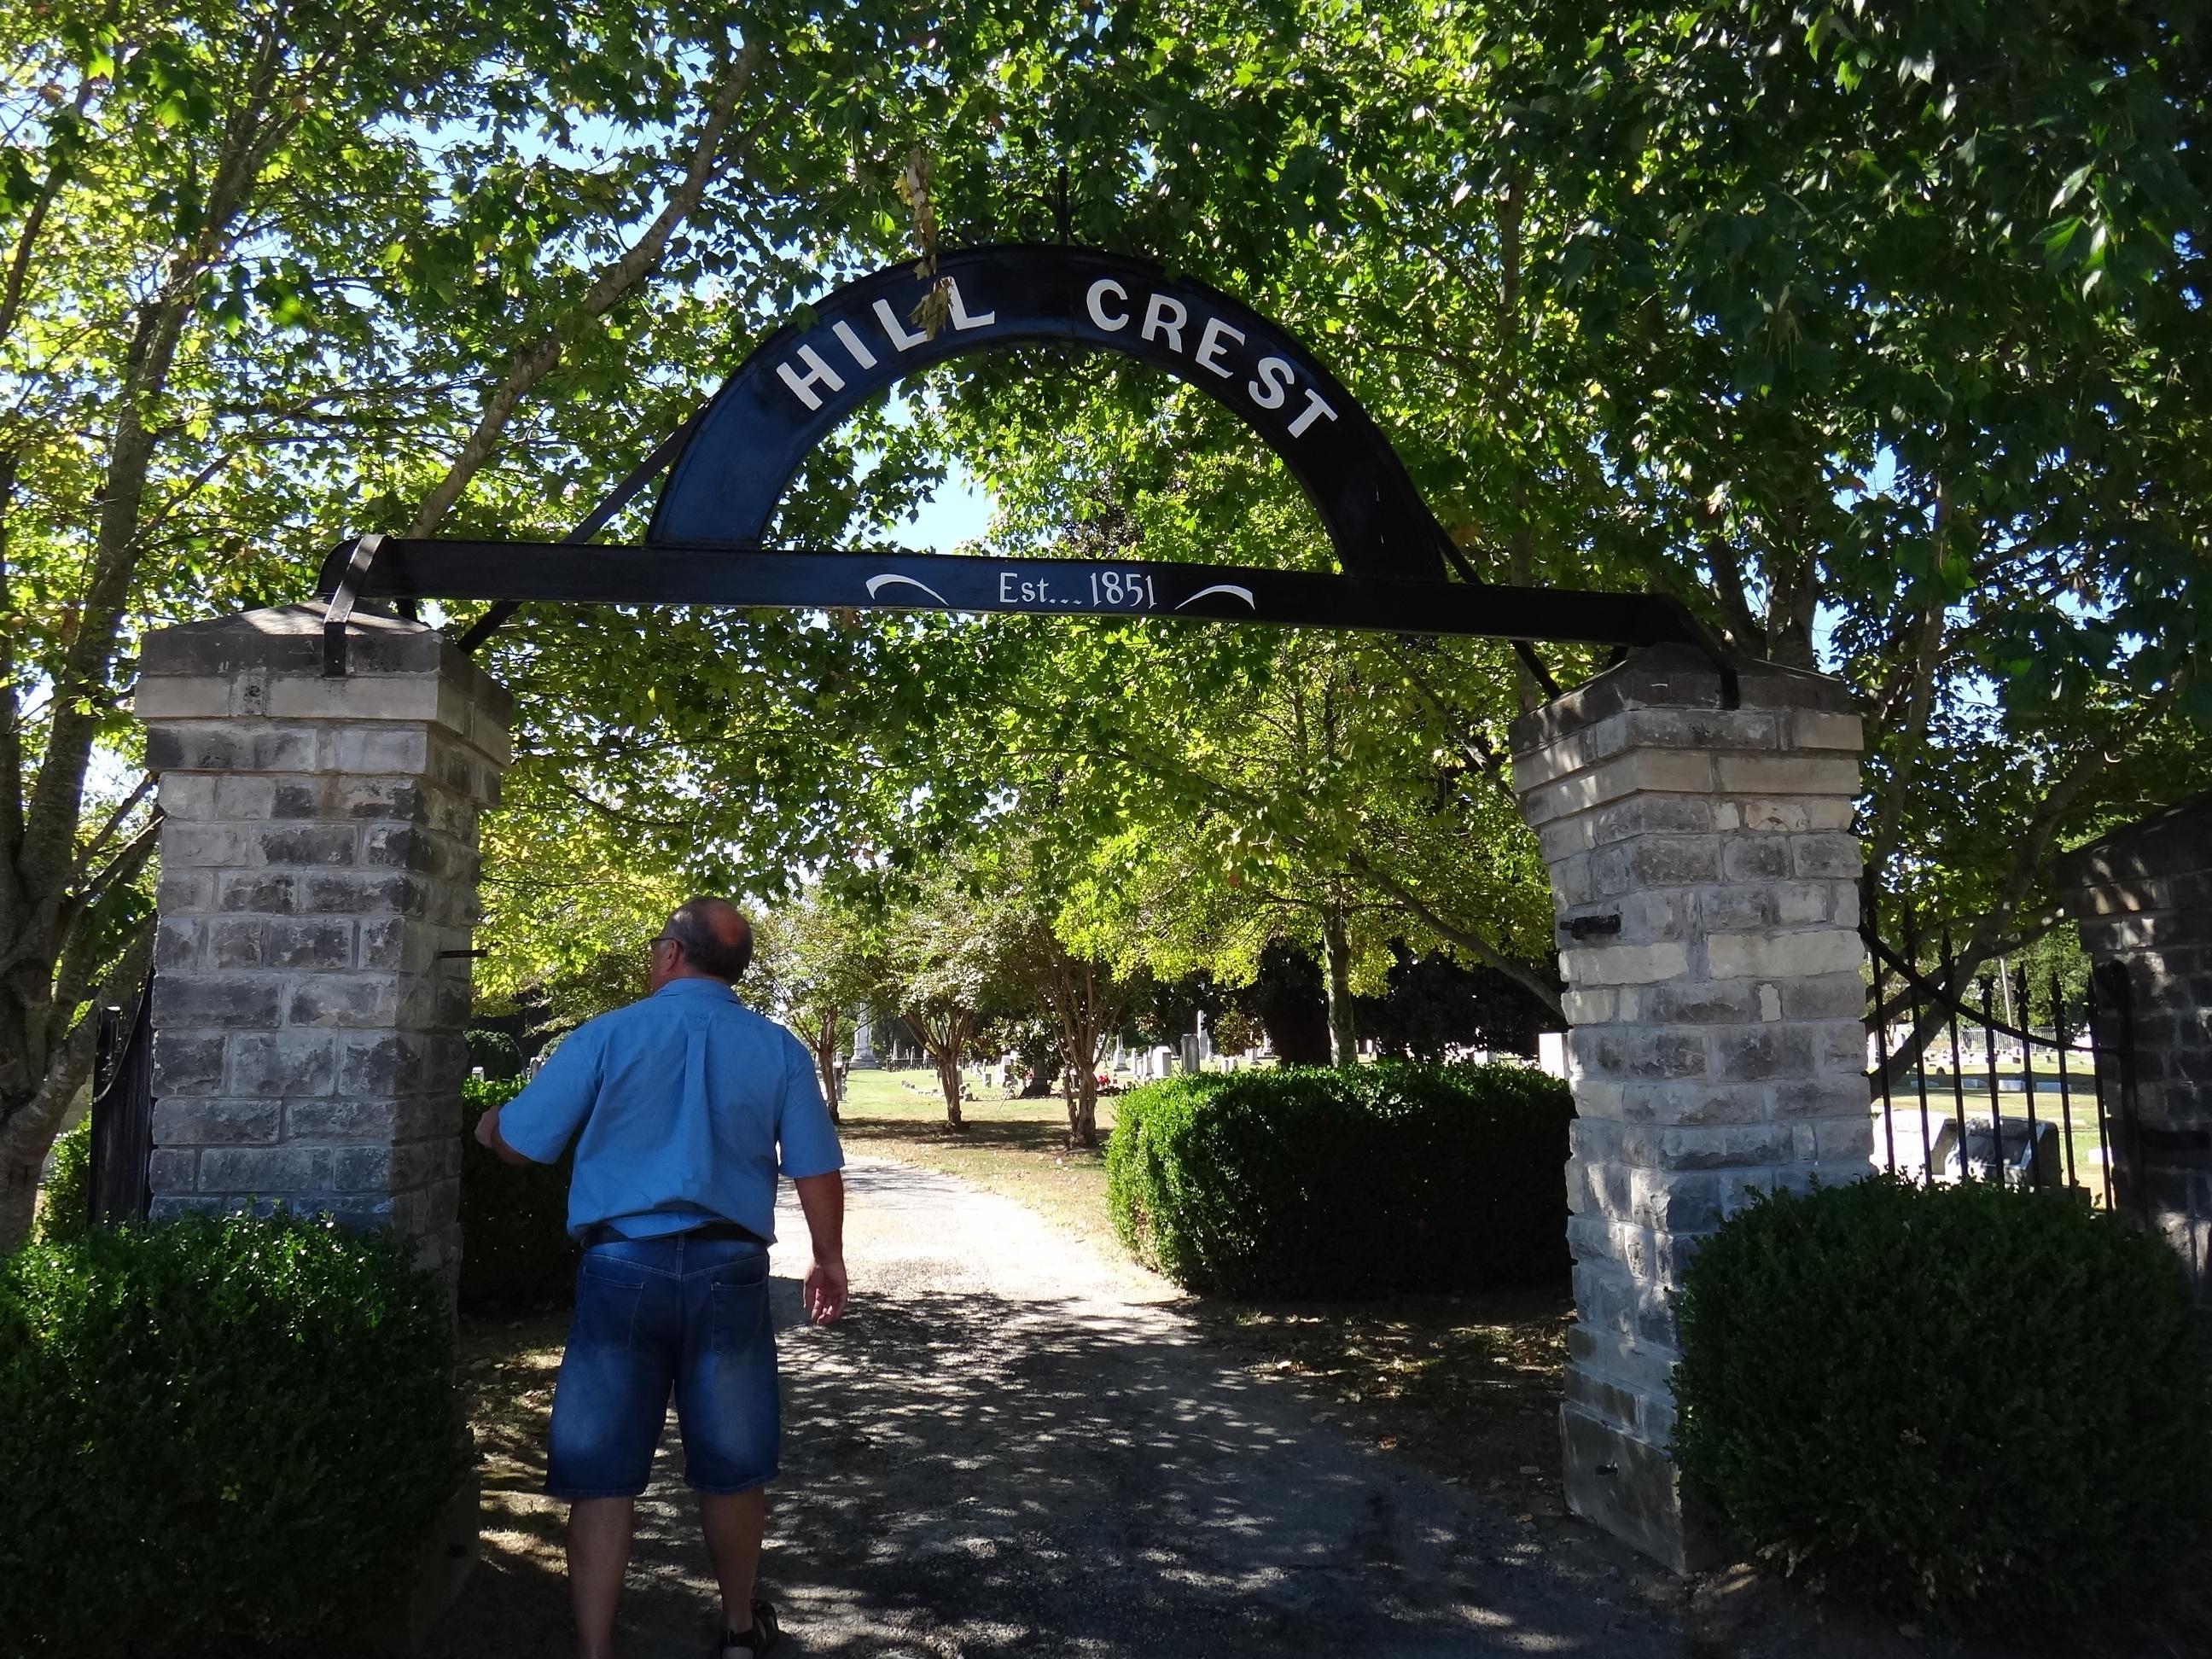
733 1522
598 1555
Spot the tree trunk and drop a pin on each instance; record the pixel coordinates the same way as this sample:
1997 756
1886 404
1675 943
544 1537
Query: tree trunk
948 1080
825 1064
1336 948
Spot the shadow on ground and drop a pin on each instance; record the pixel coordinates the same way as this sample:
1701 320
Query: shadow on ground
966 1476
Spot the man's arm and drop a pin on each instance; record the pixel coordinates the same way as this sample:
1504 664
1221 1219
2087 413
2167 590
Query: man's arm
487 1135
823 1198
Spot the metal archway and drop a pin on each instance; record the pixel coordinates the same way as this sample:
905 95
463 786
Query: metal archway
728 467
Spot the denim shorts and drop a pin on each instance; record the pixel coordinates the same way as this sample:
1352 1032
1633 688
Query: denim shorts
655 1315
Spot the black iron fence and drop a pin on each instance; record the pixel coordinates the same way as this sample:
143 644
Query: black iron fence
1999 1078
123 1112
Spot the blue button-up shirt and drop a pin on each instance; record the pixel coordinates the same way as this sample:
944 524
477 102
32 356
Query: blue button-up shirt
683 1101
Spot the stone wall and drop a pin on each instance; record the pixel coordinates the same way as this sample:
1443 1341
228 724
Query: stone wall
1706 881
318 892
2142 900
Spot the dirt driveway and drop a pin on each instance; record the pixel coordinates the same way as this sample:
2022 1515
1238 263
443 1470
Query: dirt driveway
1014 1445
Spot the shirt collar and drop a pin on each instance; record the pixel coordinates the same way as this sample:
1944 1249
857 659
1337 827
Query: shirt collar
693 987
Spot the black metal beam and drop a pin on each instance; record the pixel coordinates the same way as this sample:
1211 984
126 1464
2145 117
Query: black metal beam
572 573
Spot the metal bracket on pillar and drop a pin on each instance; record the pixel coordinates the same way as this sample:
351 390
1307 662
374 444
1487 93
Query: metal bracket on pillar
340 609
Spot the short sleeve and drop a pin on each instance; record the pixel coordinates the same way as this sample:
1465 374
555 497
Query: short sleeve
804 1135
540 1122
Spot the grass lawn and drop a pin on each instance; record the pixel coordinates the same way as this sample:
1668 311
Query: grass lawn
1467 1386
1018 1148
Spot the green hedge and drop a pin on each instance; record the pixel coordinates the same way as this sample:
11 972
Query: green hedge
515 1249
1983 1406
1316 1181
217 1437
65 1207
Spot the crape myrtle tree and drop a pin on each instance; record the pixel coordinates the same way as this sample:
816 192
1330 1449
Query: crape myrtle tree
270 273
816 961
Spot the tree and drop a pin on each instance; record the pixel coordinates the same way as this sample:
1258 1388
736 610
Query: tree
271 274
816 961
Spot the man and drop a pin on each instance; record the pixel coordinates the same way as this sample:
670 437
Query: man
679 1105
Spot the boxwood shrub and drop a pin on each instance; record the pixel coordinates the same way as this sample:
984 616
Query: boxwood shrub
1987 1408
1337 1182
515 1249
66 1207
217 1437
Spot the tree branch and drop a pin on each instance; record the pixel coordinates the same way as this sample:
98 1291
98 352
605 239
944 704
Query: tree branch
534 362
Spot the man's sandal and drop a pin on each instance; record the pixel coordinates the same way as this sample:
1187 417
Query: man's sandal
742 1644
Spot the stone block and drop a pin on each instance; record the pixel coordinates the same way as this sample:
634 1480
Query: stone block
1769 775
177 941
389 1063
282 1064
1754 1054
237 942
327 845
1697 1102
1835 856
1824 997
188 1063
243 796
1754 858
361 1168
1693 1002
183 1000
1587 1008
173 1169
351 1000
1652 814
1769 817
1810 729
1631 1488
1779 956
184 892
1624 964
366 748
318 943
193 1122
1638 1051
268 1170
368 893
258 892
1673 860
186 794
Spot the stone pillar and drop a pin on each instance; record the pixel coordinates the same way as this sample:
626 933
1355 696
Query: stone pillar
2142 900
1705 879
318 890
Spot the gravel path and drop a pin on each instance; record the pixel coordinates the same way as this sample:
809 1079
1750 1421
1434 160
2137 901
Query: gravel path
1013 1445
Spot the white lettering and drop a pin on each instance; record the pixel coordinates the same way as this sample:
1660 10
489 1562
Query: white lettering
861 354
1103 286
1005 588
893 332
1156 317
1209 345
1275 377
1314 409
960 318
817 374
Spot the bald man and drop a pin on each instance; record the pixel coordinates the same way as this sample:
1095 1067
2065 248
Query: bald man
684 1107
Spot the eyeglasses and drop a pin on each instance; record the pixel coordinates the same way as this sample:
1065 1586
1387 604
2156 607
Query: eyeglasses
659 939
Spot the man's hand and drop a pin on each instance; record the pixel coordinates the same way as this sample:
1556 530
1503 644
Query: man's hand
489 1137
822 1291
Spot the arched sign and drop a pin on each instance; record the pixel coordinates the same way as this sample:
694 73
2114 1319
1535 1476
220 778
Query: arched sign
729 466
809 376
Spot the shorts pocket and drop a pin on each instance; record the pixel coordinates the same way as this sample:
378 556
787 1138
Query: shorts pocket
607 1308
738 1311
